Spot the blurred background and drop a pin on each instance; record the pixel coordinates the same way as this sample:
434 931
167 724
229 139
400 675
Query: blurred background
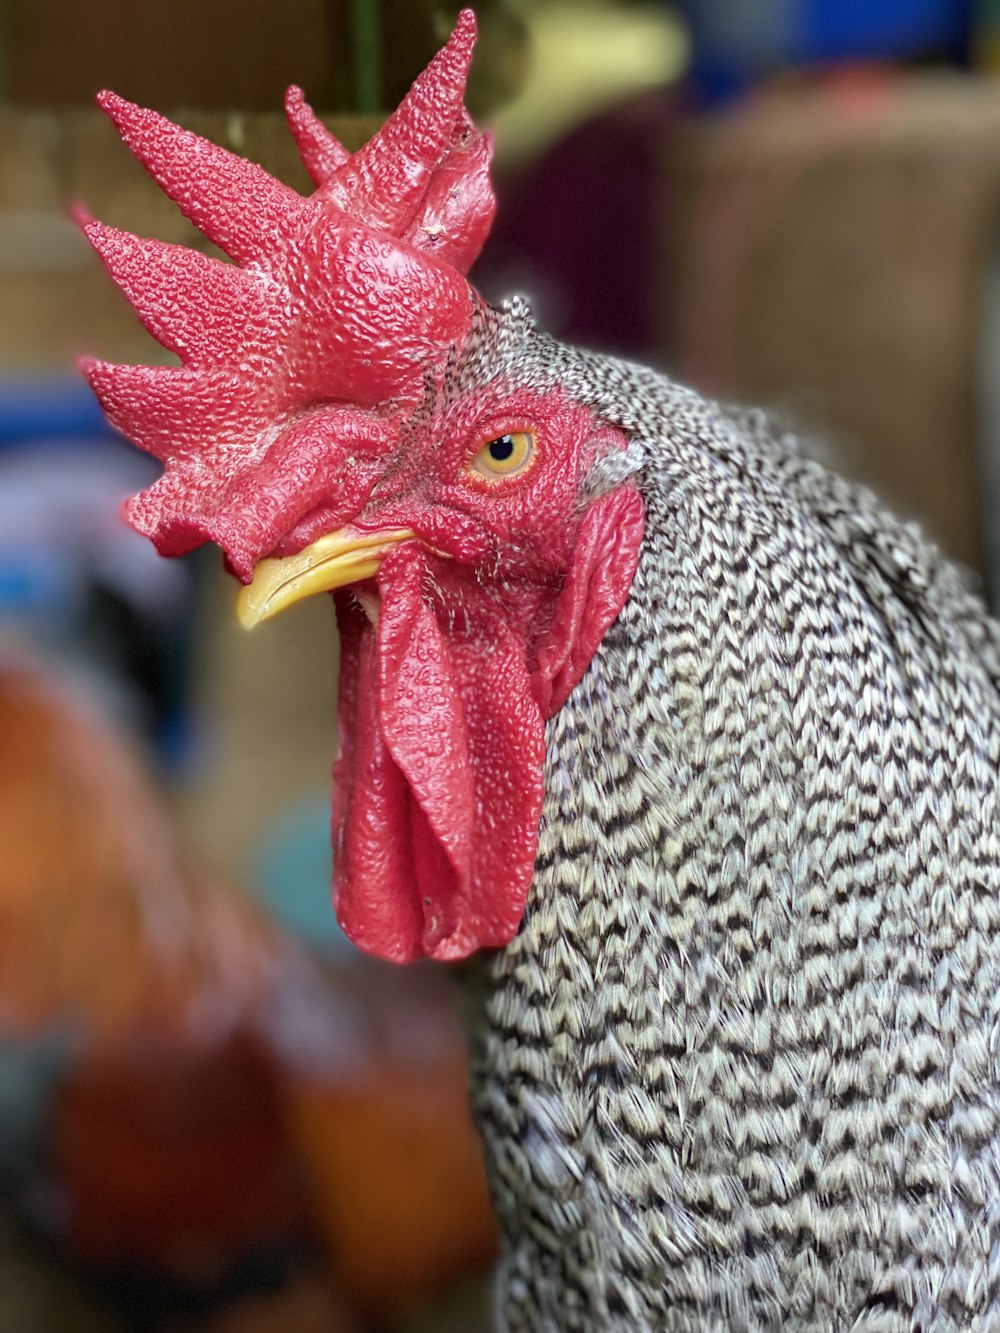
215 1116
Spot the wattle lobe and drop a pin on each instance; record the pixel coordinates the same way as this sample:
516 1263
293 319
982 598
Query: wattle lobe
439 788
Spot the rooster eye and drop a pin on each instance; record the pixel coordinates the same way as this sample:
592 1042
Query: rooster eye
506 456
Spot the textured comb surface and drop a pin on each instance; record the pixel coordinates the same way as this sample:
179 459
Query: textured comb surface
352 296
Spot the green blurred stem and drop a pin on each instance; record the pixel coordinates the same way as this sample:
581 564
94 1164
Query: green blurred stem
367 34
4 90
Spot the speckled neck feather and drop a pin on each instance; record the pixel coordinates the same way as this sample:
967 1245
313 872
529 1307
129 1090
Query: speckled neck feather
739 1069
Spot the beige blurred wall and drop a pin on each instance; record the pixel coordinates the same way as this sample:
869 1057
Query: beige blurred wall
831 244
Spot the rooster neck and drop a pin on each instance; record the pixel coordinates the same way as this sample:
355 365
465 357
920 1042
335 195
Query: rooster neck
552 1019
692 1068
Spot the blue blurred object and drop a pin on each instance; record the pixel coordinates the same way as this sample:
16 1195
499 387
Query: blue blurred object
37 406
888 30
736 43
30 1073
291 876
77 586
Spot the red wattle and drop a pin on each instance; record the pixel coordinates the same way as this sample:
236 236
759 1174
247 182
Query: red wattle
601 570
439 788
373 882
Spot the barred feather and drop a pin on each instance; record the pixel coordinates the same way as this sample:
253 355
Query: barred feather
739 1070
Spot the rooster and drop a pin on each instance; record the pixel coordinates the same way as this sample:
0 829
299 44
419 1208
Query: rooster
687 745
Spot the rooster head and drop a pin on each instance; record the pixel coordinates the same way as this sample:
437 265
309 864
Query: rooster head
349 416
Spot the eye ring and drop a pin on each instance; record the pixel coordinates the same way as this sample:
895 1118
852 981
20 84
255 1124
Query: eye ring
504 457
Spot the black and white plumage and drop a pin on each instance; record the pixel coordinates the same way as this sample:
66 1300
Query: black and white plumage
741 1067
738 1068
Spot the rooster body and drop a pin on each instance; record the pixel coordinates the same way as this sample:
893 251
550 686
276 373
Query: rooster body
739 1068
692 744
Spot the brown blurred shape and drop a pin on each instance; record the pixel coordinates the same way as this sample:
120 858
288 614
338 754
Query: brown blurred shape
242 54
196 53
101 920
225 1092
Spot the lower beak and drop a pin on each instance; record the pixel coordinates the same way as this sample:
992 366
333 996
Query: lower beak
332 561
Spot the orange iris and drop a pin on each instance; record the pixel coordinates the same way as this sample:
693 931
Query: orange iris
505 456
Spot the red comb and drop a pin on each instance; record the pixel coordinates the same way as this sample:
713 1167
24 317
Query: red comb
351 297
321 152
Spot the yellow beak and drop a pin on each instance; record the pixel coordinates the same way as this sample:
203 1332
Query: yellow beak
333 560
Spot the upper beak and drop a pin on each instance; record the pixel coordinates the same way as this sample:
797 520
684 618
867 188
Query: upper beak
332 561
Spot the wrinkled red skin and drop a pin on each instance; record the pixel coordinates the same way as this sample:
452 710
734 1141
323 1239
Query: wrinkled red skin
242 495
345 299
443 705
304 367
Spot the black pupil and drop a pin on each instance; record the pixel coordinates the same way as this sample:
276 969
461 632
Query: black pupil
501 449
